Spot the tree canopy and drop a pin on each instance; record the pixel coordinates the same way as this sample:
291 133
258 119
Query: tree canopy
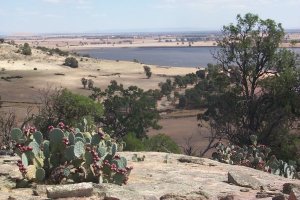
260 94
127 110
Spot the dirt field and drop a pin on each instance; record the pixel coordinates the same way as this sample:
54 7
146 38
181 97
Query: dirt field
19 94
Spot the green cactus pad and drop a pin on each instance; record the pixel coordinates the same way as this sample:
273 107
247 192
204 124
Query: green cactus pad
77 130
38 137
95 140
35 147
40 174
88 158
102 152
79 149
114 149
69 153
17 135
24 160
54 160
79 135
71 138
77 162
77 139
119 178
56 137
46 149
119 163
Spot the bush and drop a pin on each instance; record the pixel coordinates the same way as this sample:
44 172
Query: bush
71 62
26 50
1 40
161 143
133 143
148 72
53 51
7 122
67 107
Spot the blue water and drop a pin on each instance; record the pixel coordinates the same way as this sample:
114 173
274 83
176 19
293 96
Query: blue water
162 56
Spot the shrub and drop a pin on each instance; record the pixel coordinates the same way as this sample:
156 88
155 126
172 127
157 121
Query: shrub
7 122
71 62
69 155
2 40
148 72
161 143
136 60
65 106
26 50
133 143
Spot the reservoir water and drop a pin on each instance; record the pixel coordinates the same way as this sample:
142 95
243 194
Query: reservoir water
162 56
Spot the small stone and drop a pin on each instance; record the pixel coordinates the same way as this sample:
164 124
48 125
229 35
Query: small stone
262 195
279 197
227 197
244 190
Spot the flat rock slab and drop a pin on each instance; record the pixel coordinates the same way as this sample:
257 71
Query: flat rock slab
182 177
243 180
72 190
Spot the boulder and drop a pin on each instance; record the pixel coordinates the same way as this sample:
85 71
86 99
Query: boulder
244 180
71 190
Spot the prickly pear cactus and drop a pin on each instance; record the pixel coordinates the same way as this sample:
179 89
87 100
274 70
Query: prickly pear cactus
69 154
254 156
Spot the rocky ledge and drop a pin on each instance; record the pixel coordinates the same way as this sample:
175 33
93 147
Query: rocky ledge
162 176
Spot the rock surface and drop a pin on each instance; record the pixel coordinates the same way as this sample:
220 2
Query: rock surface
71 190
244 180
181 177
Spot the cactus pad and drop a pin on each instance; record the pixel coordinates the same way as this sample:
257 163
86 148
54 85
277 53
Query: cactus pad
38 137
35 147
17 135
71 138
69 153
40 174
24 160
96 140
79 149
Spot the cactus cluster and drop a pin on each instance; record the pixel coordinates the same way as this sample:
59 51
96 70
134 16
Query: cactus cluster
255 156
69 154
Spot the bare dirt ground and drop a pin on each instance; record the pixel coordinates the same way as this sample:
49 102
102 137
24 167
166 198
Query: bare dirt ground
19 94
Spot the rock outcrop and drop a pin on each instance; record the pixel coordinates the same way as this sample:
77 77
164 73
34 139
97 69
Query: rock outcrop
161 177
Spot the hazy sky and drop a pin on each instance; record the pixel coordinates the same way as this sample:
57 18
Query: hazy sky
52 16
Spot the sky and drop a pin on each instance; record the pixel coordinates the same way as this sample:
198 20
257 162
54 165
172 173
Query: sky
90 16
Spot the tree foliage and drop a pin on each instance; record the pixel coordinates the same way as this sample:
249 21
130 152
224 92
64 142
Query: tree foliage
127 110
65 106
262 97
148 72
26 49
